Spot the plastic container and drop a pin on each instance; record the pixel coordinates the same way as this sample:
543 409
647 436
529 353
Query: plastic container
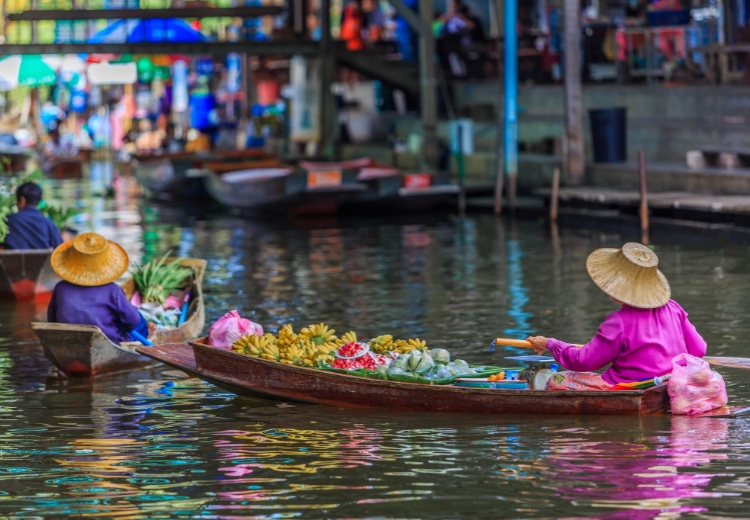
609 134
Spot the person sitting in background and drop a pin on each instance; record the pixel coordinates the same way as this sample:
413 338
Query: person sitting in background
58 146
87 294
640 339
170 143
29 228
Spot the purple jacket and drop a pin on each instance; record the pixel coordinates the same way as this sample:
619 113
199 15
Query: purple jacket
640 344
104 306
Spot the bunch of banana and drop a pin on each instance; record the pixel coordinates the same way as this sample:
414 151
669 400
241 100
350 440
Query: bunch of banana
319 335
270 350
349 337
403 346
325 348
382 344
309 357
287 337
290 354
252 345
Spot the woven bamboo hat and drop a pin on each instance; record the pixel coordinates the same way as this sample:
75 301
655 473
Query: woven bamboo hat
89 260
630 275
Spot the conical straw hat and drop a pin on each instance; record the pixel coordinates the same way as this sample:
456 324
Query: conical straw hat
630 275
89 260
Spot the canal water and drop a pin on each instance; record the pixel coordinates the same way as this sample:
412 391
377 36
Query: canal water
156 444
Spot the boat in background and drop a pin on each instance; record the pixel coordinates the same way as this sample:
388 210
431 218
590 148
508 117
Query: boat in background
84 350
26 275
64 168
284 191
252 376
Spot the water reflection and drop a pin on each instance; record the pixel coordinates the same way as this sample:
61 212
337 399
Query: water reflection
156 444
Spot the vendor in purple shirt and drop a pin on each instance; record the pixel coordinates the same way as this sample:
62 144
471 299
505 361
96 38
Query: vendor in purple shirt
89 266
29 228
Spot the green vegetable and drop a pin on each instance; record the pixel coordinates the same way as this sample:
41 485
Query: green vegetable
425 364
440 355
415 356
156 280
60 216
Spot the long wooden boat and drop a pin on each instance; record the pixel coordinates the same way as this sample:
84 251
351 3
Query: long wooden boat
257 377
390 191
26 275
284 191
226 167
84 351
171 176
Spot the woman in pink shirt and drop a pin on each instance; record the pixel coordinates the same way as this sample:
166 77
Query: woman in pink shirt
638 341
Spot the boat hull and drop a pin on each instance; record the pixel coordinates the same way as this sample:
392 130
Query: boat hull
170 179
246 375
26 275
84 351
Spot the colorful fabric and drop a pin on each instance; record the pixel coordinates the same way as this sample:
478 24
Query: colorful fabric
638 342
577 381
30 229
104 306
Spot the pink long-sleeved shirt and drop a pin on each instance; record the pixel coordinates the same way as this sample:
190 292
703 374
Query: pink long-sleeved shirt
640 344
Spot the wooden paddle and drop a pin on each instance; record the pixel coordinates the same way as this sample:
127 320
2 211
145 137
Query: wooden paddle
729 362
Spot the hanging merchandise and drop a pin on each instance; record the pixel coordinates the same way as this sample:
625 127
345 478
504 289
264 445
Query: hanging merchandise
201 106
204 67
145 70
179 86
234 73
78 101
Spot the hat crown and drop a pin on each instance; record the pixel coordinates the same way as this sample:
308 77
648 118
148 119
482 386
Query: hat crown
640 255
90 244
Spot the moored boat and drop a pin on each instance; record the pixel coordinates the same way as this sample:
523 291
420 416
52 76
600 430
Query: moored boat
246 375
84 351
171 176
283 191
26 274
390 191
64 168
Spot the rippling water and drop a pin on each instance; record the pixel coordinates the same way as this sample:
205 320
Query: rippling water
154 444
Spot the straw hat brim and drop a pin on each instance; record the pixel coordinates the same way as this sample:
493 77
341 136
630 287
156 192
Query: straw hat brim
626 282
89 270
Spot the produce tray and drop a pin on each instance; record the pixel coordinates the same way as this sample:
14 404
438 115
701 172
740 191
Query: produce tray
361 372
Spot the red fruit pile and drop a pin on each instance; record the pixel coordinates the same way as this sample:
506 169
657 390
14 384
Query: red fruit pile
351 349
365 361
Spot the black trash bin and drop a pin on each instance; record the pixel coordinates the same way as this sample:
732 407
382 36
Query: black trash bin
609 134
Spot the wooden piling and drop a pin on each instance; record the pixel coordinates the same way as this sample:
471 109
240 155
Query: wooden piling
553 203
644 196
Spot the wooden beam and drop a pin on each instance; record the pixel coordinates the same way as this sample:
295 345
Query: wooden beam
412 18
327 72
574 153
290 47
144 14
428 89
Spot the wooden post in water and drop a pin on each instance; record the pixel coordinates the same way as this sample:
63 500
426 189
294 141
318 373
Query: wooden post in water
574 153
644 196
461 171
553 202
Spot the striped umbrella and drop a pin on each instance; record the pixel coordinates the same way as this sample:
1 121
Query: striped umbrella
31 70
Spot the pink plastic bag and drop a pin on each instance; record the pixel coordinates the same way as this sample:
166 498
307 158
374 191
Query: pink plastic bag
694 388
229 328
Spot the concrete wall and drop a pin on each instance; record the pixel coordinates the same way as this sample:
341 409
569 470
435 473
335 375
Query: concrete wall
664 121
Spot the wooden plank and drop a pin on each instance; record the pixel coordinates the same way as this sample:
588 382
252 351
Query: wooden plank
302 47
428 89
145 14
575 163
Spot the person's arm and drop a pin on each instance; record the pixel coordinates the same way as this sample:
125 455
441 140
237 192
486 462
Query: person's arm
126 314
696 345
597 353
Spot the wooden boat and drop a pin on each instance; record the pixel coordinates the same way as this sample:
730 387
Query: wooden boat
257 377
226 167
26 275
64 168
392 192
84 351
171 176
283 191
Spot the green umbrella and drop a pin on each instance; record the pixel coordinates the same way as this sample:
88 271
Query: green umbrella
32 70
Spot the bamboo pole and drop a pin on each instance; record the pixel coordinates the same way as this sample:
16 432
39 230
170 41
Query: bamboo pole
553 203
644 196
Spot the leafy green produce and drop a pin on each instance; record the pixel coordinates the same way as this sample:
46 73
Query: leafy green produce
60 216
158 279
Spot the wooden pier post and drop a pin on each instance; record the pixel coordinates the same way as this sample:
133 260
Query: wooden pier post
574 159
553 203
644 196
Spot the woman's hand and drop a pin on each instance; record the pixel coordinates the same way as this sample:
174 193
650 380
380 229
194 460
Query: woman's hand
539 343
